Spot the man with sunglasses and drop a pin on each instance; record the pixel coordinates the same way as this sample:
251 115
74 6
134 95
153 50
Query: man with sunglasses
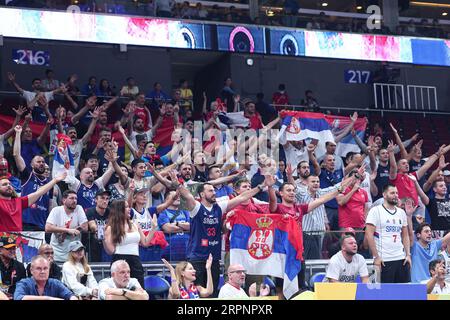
46 251
11 270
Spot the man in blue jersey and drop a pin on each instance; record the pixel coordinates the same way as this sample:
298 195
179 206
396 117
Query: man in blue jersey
35 216
330 176
87 187
174 222
206 227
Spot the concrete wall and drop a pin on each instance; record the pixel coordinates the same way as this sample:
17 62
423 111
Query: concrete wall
147 65
326 79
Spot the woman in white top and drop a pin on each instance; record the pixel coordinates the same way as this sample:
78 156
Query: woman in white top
122 238
77 275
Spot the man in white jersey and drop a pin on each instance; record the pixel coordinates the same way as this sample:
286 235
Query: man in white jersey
388 240
347 264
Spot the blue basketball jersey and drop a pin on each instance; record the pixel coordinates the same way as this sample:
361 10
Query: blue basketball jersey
38 212
86 195
206 238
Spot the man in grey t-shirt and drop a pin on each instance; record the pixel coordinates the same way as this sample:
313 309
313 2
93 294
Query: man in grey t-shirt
346 265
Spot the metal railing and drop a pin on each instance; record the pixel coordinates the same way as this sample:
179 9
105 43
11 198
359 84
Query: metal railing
102 270
424 91
389 96
294 107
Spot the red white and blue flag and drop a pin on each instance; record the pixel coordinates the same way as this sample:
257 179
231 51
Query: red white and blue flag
267 244
63 159
298 125
348 143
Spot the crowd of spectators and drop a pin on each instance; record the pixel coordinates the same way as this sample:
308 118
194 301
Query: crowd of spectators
124 199
287 17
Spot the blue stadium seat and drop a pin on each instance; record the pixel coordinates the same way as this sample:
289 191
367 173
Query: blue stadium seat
156 287
221 281
318 277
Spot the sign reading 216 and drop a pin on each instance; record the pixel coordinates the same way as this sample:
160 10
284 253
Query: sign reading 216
31 57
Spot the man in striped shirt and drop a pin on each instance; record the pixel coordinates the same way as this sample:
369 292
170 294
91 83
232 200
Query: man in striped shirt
316 222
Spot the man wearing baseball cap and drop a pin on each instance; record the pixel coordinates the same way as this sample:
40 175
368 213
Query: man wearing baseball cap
12 271
97 218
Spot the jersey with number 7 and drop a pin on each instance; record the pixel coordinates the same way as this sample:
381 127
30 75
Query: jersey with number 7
388 232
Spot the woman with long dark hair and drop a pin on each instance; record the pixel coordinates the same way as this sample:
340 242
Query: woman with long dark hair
122 238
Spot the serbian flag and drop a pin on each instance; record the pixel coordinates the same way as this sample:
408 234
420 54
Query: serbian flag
298 125
267 244
348 143
28 243
63 159
163 136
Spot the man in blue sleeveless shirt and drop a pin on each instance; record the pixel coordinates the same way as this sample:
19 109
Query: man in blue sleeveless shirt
87 187
35 216
206 227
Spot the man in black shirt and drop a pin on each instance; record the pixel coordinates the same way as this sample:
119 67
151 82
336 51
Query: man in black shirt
11 270
439 207
201 169
97 217
382 178
267 112
46 251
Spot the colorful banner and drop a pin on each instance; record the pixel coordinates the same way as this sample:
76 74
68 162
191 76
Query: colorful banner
116 29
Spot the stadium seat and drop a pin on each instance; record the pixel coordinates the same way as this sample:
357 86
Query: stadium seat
156 287
318 277
221 281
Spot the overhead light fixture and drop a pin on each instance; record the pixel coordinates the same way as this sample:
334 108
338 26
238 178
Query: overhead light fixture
324 4
270 13
429 4
444 13
359 7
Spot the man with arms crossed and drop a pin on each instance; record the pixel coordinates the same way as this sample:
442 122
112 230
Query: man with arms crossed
388 238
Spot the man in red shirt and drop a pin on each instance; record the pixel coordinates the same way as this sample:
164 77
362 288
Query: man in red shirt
280 98
288 207
251 114
142 112
353 204
399 172
11 207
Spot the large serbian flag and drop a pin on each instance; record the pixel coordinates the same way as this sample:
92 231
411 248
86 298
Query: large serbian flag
348 143
63 159
298 125
267 244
